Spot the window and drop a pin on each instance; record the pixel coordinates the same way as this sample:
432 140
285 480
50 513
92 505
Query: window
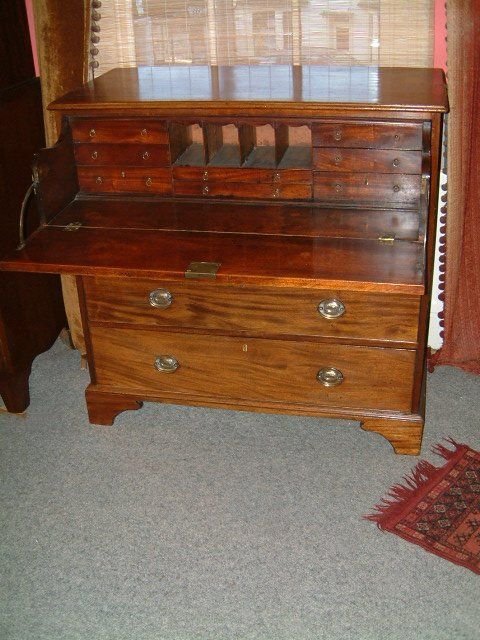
331 32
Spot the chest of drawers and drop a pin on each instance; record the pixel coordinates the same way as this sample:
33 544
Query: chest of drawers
240 244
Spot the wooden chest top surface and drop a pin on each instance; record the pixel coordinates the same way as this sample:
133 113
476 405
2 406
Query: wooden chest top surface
238 89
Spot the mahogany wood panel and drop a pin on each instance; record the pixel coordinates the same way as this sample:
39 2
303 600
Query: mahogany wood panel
342 263
283 219
208 305
141 131
152 155
367 160
253 368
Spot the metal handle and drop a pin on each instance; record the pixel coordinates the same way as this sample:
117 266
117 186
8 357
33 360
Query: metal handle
23 210
148 182
205 190
166 364
330 377
92 133
94 155
337 135
396 188
145 155
331 308
396 162
160 298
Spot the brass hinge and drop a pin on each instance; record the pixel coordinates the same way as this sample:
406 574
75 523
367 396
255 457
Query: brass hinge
202 270
387 238
73 226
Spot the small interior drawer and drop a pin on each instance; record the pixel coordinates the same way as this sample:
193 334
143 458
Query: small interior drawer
98 130
369 135
122 155
262 310
130 179
252 369
367 188
245 190
367 160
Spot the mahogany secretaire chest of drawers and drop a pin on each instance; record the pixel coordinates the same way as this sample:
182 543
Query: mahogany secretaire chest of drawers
256 238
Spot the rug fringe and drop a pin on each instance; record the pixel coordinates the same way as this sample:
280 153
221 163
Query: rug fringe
399 495
446 453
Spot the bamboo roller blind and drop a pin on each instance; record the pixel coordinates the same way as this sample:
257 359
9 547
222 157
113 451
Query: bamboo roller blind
329 32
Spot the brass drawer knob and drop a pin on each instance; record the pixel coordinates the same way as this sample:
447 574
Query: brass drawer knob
276 193
148 182
337 159
396 162
331 308
205 190
92 133
338 186
160 298
145 155
143 132
337 135
99 180
166 364
276 177
330 377
205 175
94 155
396 188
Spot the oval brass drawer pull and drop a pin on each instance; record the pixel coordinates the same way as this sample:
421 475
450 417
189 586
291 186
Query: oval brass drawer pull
166 364
337 135
148 182
94 155
145 155
92 133
396 188
330 377
160 298
396 162
331 308
99 180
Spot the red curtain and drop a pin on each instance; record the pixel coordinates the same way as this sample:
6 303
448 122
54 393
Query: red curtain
460 250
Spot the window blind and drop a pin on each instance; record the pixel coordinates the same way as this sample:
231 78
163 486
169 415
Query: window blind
225 32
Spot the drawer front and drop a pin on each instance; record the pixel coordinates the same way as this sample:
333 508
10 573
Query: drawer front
266 310
367 160
369 135
131 180
367 188
213 189
123 155
251 176
252 369
141 131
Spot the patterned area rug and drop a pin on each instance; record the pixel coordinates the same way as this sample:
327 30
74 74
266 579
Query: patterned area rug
439 508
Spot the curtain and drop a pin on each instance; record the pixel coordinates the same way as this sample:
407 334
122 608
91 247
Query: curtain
461 244
330 32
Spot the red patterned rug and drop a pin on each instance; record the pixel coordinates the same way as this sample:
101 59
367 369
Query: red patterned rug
439 508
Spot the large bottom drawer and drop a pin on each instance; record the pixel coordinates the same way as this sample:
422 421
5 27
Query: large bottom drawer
252 369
